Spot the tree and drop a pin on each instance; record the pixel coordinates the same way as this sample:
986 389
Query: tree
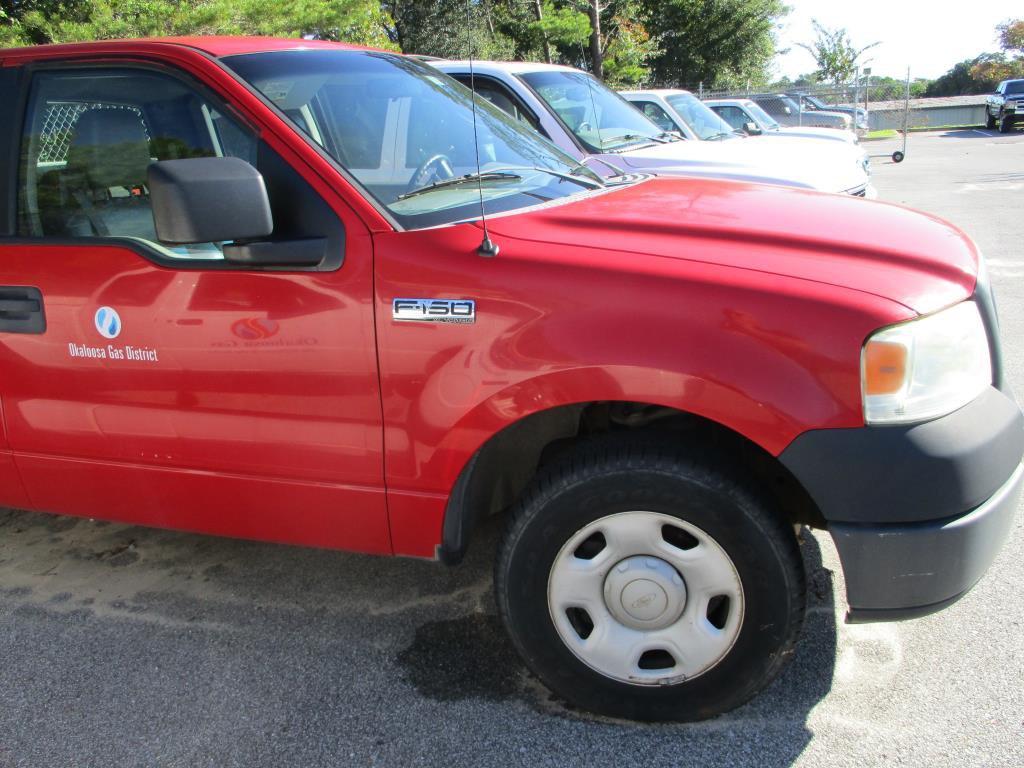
45 21
1011 36
834 52
722 43
960 80
1008 64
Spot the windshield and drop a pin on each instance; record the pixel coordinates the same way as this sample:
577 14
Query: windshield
766 121
1015 87
815 103
602 120
701 119
399 126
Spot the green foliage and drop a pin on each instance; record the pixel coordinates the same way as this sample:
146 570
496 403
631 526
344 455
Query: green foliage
561 25
834 53
441 28
1010 63
960 80
44 21
628 53
1011 36
722 43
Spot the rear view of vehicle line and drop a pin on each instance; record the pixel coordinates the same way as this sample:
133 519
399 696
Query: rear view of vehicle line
789 112
811 103
680 111
597 126
746 116
301 292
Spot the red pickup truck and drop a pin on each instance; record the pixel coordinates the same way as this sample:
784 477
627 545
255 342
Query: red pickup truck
243 292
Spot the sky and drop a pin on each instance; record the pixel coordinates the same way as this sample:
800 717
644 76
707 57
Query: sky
928 36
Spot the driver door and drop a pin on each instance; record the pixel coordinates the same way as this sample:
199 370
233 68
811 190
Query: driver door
161 385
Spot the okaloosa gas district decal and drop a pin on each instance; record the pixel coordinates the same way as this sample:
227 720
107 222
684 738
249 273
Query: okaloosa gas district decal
108 325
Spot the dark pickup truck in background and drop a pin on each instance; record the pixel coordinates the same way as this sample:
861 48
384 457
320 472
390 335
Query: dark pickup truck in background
1005 107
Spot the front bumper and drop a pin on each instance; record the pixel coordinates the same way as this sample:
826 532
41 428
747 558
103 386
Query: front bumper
917 512
904 571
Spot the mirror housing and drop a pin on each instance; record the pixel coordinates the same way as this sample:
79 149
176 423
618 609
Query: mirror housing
751 129
208 200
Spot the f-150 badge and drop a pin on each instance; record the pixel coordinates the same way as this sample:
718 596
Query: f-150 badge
434 310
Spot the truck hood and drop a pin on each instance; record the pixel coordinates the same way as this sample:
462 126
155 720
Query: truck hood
878 248
825 167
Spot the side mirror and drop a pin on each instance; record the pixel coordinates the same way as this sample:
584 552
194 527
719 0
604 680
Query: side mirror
751 129
209 200
222 200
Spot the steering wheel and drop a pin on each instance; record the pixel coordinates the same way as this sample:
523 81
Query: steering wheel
434 168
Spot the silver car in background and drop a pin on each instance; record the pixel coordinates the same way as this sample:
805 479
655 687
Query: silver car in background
746 116
789 113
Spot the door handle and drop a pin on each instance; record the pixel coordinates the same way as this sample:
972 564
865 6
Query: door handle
19 306
21 310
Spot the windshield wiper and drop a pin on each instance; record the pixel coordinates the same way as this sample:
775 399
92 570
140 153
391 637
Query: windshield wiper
721 135
573 176
630 138
460 180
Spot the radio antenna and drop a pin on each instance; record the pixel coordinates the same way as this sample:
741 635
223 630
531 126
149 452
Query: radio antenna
488 249
593 103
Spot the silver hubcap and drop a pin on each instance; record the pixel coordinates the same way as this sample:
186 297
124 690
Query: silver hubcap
644 593
645 598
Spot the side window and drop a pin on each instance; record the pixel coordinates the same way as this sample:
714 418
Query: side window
657 115
734 116
502 98
89 138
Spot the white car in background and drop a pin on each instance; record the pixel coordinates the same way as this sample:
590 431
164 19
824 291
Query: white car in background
592 123
747 116
678 110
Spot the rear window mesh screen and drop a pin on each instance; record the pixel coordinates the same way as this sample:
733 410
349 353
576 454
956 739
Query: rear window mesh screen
58 126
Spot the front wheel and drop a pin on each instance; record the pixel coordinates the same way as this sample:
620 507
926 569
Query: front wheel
653 586
990 120
1005 124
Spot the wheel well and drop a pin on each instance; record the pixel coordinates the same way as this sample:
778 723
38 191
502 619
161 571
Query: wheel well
501 469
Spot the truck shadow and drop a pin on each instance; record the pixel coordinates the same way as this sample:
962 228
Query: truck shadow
471 658
264 640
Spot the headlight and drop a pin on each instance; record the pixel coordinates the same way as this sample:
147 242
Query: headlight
926 367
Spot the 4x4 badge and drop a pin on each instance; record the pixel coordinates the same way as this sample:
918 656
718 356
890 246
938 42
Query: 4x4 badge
434 310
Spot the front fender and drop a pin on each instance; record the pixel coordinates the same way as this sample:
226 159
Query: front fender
763 355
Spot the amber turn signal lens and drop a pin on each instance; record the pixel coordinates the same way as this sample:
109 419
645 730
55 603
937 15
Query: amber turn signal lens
885 367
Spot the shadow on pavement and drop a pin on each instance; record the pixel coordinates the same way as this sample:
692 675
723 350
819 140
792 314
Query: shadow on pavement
125 645
976 133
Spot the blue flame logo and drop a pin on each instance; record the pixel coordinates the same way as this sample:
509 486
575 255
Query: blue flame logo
108 322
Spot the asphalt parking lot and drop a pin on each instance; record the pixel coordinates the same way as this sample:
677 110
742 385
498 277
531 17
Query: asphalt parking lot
125 646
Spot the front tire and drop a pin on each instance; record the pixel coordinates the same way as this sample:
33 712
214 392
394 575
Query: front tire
990 120
650 585
1005 124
